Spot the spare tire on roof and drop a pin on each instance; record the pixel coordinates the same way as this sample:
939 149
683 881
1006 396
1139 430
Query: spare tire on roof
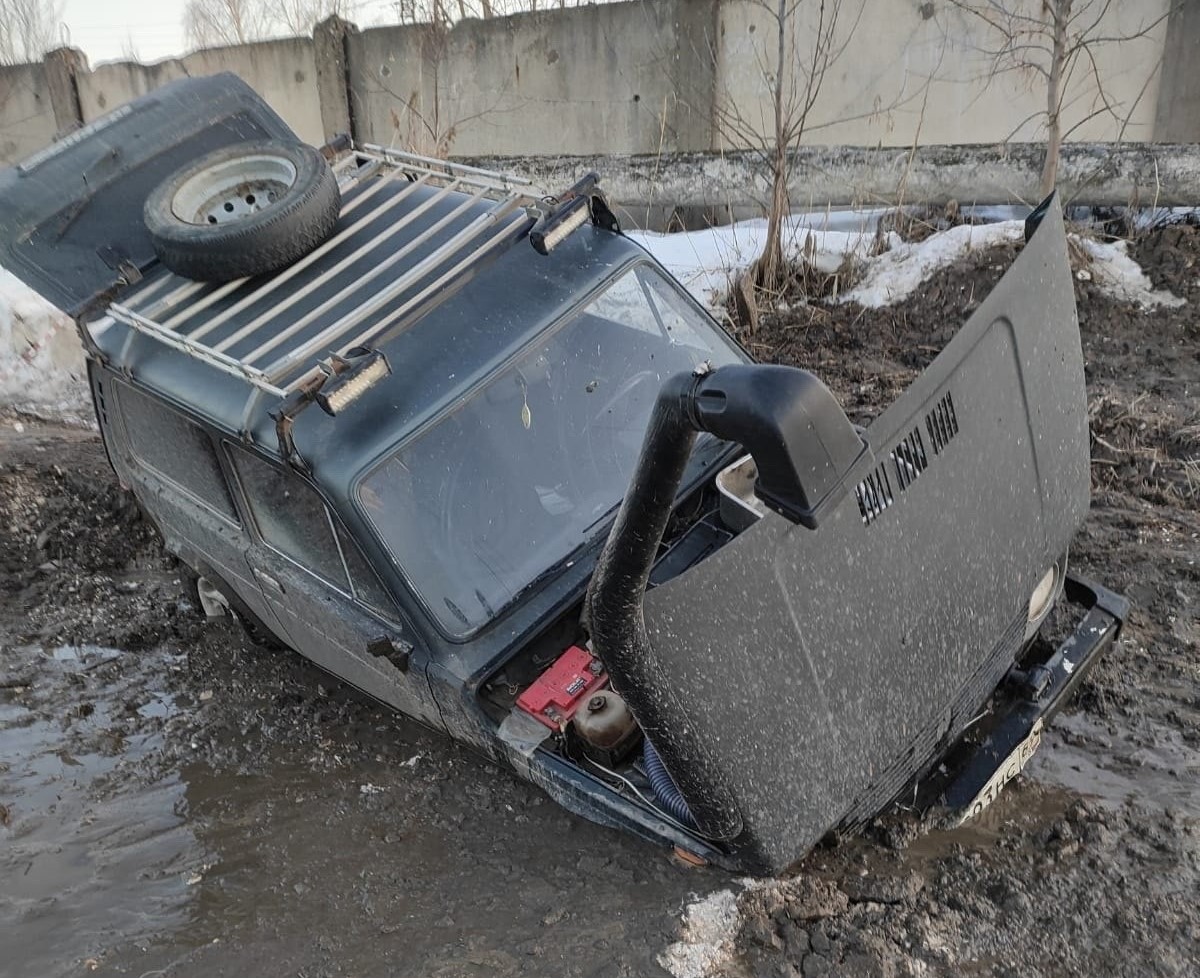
243 210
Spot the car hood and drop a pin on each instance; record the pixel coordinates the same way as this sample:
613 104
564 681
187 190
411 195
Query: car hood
821 669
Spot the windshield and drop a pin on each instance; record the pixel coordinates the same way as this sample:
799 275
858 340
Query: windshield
515 478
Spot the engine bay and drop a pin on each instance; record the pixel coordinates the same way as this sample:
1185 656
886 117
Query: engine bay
555 694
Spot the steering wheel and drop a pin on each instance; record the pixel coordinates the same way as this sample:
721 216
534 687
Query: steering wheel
606 412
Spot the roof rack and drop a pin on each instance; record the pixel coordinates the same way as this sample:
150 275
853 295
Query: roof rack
166 308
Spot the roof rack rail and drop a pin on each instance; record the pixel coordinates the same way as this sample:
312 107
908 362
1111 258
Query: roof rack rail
167 307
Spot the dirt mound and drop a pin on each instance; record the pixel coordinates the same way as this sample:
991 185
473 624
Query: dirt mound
1063 898
1171 258
869 356
76 558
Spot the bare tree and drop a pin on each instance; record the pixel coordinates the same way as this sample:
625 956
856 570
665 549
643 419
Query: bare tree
446 11
28 29
416 126
418 123
1055 42
217 23
299 17
806 38
211 23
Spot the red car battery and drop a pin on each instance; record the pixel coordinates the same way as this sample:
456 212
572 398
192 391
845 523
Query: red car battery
557 693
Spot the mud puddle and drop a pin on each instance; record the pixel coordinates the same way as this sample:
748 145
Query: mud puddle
235 811
88 838
1155 766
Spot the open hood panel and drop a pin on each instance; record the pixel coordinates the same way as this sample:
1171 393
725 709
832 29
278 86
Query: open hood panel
822 669
71 215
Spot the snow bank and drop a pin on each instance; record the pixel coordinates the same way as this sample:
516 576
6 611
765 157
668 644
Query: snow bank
41 361
897 273
707 262
894 275
1119 275
705 945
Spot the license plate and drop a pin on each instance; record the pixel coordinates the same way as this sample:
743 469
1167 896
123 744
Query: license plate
1008 769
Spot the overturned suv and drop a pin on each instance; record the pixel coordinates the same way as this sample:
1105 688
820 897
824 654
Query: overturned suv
536 498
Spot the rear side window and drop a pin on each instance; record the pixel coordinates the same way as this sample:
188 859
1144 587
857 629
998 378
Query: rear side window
291 516
167 443
367 588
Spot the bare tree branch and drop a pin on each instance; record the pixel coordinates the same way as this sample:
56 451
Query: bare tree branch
1055 41
28 29
803 41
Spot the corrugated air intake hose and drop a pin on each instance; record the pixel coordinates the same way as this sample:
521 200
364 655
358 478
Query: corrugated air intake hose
664 788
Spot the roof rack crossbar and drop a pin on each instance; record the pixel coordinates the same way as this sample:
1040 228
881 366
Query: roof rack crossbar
345 293
354 179
332 333
441 281
180 342
149 289
291 271
506 181
216 295
177 294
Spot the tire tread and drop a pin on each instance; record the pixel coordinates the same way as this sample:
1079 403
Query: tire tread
222 253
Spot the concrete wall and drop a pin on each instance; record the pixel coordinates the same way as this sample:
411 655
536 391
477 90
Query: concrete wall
651 77
283 72
1178 111
26 113
695 190
620 78
912 71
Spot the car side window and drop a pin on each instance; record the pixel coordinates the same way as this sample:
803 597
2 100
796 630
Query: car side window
164 441
291 516
367 589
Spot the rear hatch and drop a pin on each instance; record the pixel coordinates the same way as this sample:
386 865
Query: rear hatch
71 215
820 670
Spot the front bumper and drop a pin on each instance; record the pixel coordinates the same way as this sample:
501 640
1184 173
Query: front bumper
1024 702
1031 696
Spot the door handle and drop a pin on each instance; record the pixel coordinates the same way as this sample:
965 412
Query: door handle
266 580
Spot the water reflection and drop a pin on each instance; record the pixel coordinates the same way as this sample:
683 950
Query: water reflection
92 842
243 834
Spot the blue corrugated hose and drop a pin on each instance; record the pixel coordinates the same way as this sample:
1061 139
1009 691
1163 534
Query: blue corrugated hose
664 788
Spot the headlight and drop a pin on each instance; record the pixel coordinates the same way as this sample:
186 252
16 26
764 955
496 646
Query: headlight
1043 594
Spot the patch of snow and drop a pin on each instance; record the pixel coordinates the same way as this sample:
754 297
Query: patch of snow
897 273
994 213
1122 277
705 944
41 360
708 262
859 220
706 940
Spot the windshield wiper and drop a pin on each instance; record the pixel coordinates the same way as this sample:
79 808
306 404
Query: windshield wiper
554 569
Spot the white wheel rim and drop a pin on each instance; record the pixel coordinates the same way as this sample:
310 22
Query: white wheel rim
225 193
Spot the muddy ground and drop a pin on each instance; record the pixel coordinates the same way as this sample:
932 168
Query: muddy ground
175 801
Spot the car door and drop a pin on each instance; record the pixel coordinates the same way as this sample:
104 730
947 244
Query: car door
328 600
173 466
